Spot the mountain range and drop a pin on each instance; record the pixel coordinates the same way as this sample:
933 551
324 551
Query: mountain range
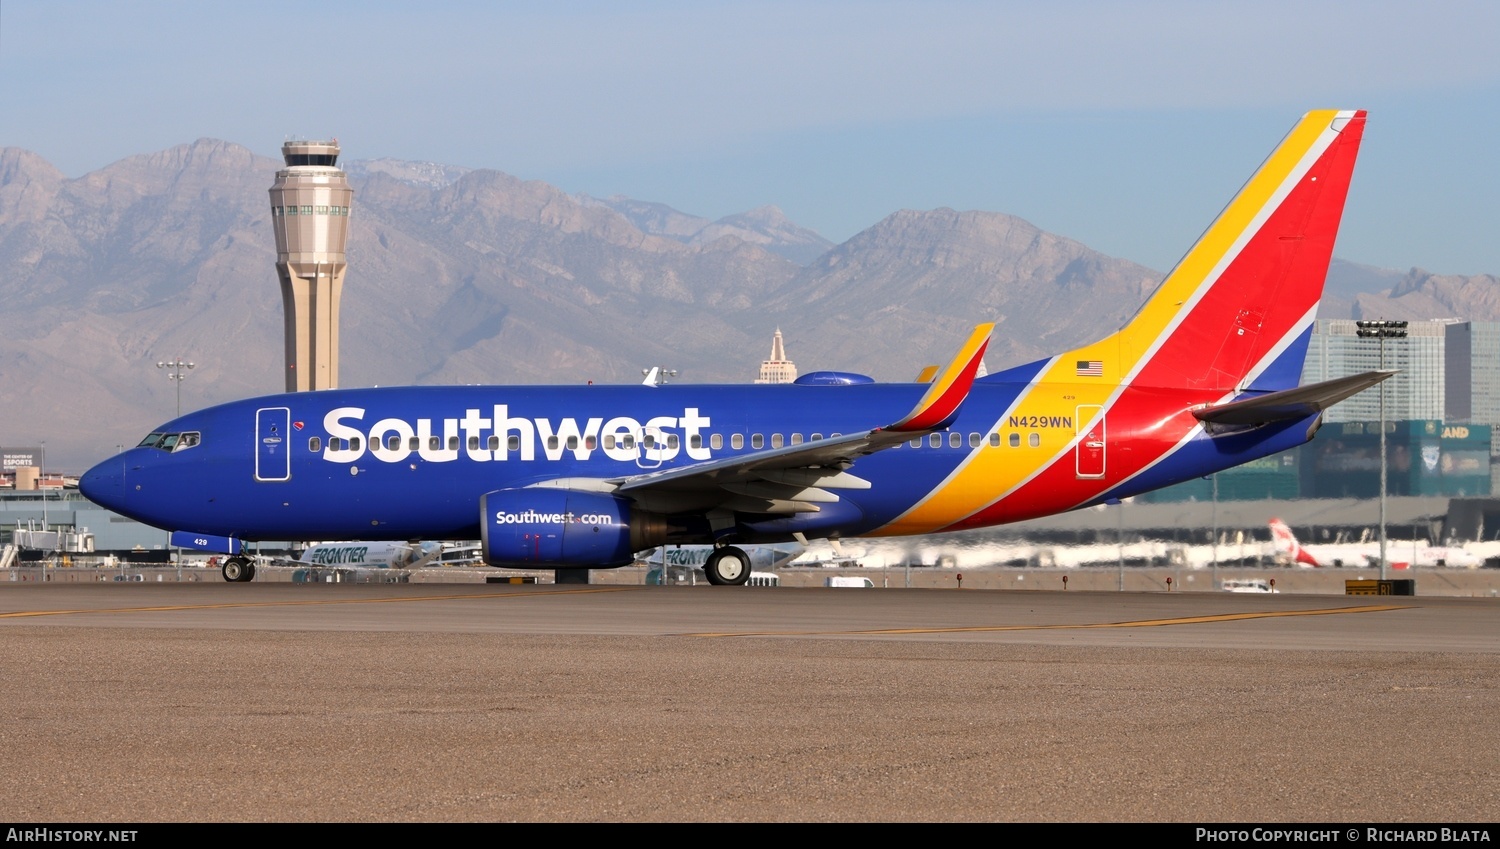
475 276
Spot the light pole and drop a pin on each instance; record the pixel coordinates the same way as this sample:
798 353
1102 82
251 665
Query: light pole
178 373
1120 543
1214 575
42 484
1382 330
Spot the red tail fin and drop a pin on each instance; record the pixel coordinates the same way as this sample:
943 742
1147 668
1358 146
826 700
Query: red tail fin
1244 297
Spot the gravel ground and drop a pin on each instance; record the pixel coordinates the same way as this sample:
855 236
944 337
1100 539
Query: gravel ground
186 725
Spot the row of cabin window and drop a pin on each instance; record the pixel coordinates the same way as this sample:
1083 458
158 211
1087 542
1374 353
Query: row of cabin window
956 440
513 443
309 210
649 441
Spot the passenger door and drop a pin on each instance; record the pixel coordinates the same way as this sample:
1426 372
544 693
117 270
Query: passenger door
273 444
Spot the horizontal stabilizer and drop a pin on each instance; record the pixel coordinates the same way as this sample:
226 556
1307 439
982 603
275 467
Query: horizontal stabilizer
1288 404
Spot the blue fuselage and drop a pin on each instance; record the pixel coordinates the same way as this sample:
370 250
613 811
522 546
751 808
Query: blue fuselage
413 462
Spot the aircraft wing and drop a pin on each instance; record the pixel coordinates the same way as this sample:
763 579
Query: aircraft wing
789 466
795 478
1295 403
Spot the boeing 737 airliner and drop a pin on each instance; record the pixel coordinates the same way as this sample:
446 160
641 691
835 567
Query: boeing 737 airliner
1203 377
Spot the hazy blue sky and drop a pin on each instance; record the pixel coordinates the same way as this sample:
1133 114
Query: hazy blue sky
1125 125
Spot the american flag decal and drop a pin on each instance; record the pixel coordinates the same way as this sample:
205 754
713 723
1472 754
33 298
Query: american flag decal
1090 368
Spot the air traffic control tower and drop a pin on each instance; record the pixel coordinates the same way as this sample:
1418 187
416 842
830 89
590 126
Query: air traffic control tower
310 214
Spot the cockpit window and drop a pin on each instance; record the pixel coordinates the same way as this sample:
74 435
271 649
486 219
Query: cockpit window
171 441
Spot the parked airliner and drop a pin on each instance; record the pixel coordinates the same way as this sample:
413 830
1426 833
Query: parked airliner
1295 553
371 555
762 558
1400 554
1202 378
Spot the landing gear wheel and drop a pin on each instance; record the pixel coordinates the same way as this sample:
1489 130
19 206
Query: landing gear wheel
237 570
727 566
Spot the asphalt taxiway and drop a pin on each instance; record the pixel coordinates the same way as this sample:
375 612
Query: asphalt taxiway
288 702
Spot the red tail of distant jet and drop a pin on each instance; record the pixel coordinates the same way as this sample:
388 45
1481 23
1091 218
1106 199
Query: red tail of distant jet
1286 545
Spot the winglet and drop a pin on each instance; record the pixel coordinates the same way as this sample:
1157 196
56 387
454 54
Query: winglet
950 387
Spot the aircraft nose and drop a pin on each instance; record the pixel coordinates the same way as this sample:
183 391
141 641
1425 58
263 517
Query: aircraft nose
104 484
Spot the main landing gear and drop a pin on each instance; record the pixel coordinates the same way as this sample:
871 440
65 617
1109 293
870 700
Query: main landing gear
238 570
727 566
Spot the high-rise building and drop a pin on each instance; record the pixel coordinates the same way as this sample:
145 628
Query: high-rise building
778 369
310 213
1416 392
1473 390
1473 354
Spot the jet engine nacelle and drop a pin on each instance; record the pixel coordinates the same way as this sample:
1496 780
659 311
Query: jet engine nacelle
545 528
